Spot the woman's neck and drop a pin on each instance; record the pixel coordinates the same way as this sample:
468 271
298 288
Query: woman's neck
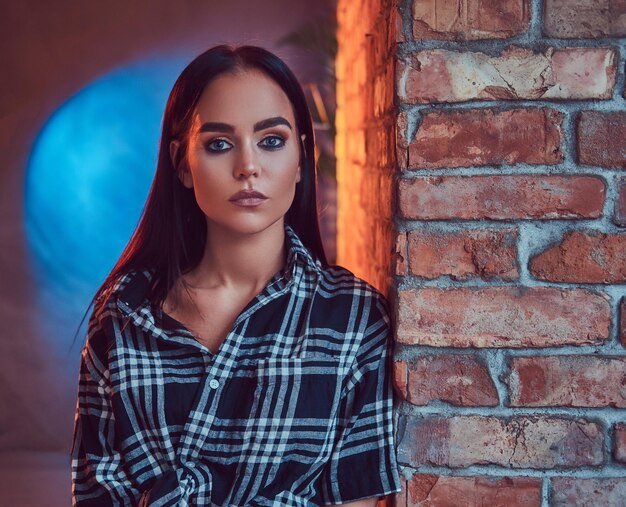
239 261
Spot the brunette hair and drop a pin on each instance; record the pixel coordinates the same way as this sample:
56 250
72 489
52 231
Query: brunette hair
171 234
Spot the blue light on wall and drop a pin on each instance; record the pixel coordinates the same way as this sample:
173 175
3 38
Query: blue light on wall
89 175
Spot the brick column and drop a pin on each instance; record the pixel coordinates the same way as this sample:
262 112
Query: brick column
499 222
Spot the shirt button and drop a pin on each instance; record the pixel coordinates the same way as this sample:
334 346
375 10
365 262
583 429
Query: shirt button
214 384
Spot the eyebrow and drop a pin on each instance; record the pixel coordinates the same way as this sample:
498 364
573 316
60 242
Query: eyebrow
213 126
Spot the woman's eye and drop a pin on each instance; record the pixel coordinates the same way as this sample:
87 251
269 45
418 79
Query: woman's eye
273 142
217 145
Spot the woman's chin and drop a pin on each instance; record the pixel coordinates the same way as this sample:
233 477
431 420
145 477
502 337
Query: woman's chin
246 226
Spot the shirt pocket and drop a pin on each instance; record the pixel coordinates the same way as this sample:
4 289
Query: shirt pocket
293 416
295 389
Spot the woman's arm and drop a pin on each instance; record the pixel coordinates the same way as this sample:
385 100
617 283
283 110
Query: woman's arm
363 459
98 474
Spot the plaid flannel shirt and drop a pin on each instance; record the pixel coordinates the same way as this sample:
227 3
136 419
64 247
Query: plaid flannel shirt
294 409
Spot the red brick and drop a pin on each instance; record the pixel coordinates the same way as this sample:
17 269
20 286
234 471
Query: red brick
517 442
620 203
469 19
439 75
585 18
501 197
602 139
487 253
622 321
479 137
402 143
399 257
425 490
502 317
400 374
619 442
596 492
460 380
398 26
567 381
584 257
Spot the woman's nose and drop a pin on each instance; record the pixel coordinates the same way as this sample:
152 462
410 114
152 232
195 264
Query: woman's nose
247 163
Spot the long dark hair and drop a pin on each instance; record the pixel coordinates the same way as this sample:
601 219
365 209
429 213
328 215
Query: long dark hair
171 234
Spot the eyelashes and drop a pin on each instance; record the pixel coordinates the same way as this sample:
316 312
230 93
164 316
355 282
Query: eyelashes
217 146
270 143
277 142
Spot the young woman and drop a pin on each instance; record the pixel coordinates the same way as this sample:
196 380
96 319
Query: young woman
226 363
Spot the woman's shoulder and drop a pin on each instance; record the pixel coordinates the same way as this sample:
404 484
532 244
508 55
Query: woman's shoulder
353 308
341 283
125 291
113 305
342 277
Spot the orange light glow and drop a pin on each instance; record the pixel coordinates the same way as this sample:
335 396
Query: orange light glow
364 145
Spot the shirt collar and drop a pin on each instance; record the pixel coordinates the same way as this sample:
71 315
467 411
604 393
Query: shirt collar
296 251
133 287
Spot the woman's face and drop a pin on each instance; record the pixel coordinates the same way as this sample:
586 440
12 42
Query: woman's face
243 137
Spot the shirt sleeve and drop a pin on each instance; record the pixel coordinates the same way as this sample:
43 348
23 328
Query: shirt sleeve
98 476
363 460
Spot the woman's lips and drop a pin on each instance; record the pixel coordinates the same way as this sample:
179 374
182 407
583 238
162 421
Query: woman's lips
248 201
248 197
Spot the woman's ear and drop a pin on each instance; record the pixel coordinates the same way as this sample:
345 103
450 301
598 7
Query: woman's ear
182 170
302 138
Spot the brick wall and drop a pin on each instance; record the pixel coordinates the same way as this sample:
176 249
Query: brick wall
508 254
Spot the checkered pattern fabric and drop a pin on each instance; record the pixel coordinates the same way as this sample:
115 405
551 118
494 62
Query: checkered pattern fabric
294 409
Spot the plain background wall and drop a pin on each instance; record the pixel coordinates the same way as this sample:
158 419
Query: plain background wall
48 52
